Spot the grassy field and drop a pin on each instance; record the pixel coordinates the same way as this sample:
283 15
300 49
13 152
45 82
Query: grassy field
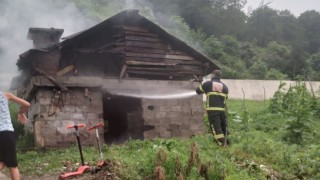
259 150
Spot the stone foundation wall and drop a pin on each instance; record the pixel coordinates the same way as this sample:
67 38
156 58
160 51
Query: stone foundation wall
49 119
174 117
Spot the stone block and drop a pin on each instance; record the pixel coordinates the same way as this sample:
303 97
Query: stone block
78 116
194 127
186 133
65 123
164 108
160 114
165 134
152 122
173 127
171 102
92 116
64 115
150 134
175 108
176 133
178 120
184 126
199 131
172 115
148 114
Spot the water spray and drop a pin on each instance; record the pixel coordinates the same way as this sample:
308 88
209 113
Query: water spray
152 93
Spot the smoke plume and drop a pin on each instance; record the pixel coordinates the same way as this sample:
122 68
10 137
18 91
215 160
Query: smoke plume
16 17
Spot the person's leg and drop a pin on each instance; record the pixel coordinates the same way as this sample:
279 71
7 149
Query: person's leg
2 146
9 155
224 128
14 172
215 122
223 123
1 166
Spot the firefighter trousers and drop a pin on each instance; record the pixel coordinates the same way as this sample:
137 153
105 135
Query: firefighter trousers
218 126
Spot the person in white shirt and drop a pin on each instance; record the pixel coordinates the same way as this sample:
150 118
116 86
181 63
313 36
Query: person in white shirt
8 156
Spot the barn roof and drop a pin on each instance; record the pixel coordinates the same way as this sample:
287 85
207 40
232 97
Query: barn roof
126 17
132 17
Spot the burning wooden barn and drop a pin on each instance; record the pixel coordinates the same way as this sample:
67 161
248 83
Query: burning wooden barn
103 74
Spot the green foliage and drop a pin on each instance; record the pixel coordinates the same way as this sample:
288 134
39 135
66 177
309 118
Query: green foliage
314 66
257 151
277 56
231 45
18 127
213 47
278 99
274 74
259 69
310 22
297 105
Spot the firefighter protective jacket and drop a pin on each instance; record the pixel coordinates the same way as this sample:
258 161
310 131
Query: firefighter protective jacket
216 92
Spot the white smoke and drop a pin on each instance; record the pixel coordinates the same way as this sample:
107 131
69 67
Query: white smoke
17 16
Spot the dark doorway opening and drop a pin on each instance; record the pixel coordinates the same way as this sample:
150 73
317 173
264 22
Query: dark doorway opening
122 116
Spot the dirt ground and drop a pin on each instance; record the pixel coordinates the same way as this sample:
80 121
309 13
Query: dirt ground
103 174
87 176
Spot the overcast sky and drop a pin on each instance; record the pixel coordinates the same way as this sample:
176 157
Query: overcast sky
296 7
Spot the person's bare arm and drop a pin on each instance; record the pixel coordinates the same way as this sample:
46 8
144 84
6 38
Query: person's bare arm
23 108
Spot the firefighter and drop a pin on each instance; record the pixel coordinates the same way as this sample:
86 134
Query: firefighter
216 96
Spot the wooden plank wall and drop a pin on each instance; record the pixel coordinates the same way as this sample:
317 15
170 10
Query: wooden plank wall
145 54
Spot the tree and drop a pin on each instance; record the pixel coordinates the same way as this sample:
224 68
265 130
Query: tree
277 56
274 74
230 21
231 45
262 26
314 67
258 69
291 32
248 52
310 22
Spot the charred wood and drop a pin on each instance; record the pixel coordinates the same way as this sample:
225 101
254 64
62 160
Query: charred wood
53 80
148 63
142 39
162 56
147 44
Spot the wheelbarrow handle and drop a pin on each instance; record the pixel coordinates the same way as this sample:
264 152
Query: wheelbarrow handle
76 126
95 126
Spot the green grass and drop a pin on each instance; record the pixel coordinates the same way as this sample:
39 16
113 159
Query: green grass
257 152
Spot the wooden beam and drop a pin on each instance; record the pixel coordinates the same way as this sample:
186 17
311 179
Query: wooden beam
148 63
159 73
123 71
146 50
147 44
162 56
134 28
154 51
142 39
53 80
167 61
146 34
154 71
197 78
196 63
65 70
